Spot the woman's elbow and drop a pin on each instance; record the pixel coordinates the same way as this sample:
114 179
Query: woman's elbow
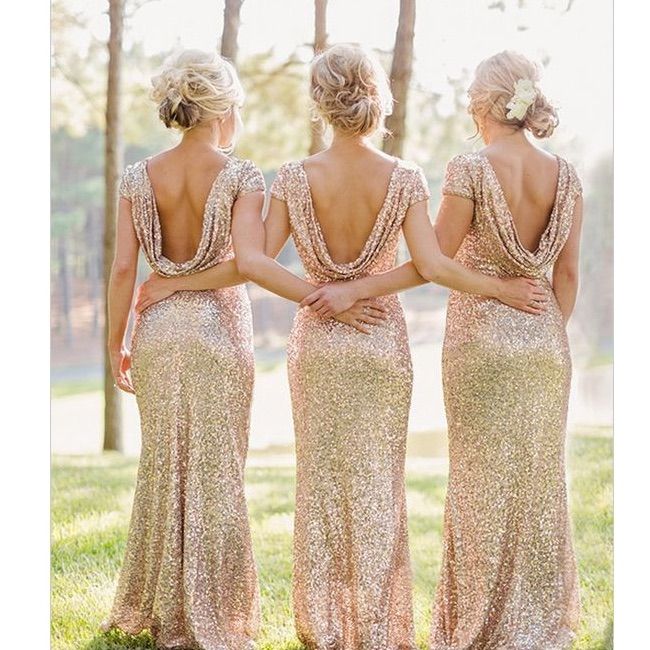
430 270
123 269
567 274
248 267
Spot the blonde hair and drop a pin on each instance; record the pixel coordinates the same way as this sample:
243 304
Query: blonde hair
195 87
494 85
350 90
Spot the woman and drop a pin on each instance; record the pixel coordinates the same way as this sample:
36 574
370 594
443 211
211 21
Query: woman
508 576
345 208
188 573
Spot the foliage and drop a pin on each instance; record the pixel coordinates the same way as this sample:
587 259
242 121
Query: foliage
91 499
78 69
276 118
276 101
438 133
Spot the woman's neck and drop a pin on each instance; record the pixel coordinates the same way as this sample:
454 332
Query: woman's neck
493 132
343 143
204 135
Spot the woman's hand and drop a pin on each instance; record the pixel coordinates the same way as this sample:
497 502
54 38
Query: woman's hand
154 289
120 367
362 315
331 299
524 294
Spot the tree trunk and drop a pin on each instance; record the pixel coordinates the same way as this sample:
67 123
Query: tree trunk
95 269
112 168
400 77
317 142
231 21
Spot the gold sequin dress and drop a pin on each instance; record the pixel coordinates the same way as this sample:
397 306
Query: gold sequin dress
189 574
350 395
508 579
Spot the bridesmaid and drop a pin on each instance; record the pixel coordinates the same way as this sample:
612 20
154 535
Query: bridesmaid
508 576
345 208
188 573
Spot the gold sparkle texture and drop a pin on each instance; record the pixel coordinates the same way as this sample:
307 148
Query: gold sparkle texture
188 573
508 577
350 394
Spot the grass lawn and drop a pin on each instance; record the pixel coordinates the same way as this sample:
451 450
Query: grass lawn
91 500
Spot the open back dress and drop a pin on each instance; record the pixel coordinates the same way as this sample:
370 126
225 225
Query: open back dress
188 574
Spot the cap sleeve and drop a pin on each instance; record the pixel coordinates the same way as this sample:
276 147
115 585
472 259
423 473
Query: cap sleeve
458 178
126 183
419 187
576 184
280 184
251 179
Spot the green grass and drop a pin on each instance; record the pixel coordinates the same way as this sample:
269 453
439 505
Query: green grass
91 499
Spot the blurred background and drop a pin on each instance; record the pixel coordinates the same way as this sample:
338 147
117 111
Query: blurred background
273 42
104 53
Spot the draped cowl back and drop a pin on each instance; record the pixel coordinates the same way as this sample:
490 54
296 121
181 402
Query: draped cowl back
237 177
492 244
508 578
189 574
406 186
350 395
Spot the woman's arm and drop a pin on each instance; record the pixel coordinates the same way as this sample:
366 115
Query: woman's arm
429 264
254 240
224 274
566 268
333 297
248 236
157 287
522 293
120 295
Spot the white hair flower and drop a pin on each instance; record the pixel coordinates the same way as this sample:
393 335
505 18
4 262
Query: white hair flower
524 96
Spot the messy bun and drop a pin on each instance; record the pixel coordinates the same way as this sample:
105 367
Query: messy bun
350 90
195 87
493 88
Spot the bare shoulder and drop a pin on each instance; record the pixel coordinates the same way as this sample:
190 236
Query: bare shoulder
317 163
161 159
508 153
374 160
204 161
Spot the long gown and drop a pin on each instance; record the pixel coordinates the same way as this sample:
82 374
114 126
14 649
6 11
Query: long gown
508 579
350 394
188 574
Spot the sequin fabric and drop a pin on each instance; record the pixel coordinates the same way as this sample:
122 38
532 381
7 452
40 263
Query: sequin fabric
508 578
188 574
350 395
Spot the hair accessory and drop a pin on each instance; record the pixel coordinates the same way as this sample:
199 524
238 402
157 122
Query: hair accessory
525 94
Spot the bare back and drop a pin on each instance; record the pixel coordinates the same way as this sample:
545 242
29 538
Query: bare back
182 179
348 190
529 180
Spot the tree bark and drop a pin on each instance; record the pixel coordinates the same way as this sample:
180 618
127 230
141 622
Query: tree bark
317 142
231 22
96 268
112 169
400 78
